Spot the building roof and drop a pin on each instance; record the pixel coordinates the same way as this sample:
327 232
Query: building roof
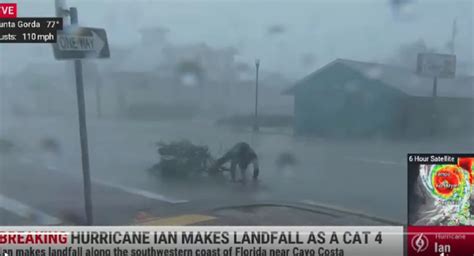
402 79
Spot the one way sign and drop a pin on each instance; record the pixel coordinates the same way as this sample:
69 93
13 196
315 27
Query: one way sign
81 43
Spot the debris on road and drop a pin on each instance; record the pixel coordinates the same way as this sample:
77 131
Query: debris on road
182 159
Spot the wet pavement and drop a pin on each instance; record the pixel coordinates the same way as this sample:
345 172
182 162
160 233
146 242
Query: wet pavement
367 176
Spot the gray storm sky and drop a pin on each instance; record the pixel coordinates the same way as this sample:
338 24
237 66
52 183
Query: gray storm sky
367 30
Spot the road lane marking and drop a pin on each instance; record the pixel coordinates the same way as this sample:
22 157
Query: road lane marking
25 211
130 190
140 192
349 212
181 220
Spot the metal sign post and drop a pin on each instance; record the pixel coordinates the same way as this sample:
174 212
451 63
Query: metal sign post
82 128
98 98
76 43
256 121
436 66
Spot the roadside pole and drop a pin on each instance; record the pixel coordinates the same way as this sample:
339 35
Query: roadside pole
434 116
256 121
435 65
82 128
77 43
98 97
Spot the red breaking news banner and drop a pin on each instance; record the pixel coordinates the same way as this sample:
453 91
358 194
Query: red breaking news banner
8 10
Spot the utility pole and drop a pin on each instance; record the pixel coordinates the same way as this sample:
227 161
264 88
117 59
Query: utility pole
256 123
453 36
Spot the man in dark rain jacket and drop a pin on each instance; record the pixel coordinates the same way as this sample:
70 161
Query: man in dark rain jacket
240 155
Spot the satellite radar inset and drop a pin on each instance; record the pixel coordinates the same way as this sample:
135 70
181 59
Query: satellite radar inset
441 193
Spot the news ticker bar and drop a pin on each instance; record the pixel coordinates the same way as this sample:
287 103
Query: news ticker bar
202 241
237 241
30 30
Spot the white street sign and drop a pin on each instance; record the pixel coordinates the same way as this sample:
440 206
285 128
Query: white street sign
80 43
436 65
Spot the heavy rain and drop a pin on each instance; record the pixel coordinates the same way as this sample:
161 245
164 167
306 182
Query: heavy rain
324 93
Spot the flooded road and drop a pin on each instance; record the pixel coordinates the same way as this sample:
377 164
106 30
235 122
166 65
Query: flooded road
368 177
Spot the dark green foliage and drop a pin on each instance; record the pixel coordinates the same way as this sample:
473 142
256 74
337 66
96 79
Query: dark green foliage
182 159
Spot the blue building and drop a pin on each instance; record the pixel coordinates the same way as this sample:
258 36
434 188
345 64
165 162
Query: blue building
349 98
